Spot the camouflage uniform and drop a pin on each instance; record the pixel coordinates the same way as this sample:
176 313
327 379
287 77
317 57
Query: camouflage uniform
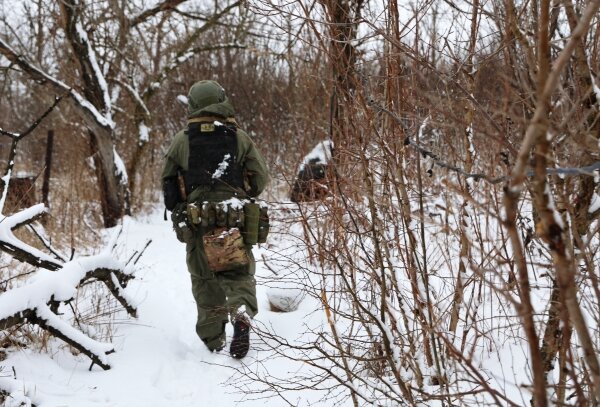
226 292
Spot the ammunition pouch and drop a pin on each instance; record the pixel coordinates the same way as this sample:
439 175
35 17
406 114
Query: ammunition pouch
250 218
183 230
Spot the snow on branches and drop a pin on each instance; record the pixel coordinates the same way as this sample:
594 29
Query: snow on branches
18 249
34 302
38 300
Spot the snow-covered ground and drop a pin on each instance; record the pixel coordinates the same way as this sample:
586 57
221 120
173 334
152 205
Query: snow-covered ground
159 360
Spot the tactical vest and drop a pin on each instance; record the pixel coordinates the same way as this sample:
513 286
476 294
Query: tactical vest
213 157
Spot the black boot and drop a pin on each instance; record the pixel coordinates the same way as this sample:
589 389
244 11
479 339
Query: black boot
240 344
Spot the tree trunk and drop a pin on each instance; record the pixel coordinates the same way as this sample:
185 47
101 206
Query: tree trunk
110 179
46 184
100 126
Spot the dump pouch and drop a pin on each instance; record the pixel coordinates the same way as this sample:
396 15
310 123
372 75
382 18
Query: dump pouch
225 250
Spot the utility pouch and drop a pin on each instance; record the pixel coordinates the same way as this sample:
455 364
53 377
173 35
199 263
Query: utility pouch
183 231
225 249
171 193
251 215
263 224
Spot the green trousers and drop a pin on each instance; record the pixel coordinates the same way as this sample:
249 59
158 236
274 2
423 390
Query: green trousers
219 295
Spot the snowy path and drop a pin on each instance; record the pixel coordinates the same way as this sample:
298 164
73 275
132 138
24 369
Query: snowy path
159 360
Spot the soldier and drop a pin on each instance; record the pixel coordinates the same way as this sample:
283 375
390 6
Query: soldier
215 161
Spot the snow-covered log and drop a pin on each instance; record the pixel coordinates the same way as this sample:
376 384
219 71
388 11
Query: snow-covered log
32 302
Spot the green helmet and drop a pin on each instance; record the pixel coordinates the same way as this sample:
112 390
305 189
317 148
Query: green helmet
208 98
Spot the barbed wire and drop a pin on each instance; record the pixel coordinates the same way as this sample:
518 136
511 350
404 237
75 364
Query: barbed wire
588 170
562 171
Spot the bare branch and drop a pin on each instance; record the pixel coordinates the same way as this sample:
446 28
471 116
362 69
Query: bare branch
20 250
89 112
28 303
167 5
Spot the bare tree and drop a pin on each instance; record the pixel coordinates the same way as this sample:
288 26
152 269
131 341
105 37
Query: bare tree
103 47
